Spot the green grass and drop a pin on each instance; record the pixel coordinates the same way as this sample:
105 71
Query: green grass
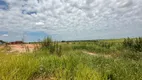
113 40
28 66
73 64
98 47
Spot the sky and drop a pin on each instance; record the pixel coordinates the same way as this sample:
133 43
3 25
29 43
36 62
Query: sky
70 19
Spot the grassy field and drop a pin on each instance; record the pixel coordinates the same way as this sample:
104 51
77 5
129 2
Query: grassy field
67 61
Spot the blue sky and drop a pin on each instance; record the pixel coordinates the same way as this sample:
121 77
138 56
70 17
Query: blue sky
70 19
27 36
3 5
3 32
35 36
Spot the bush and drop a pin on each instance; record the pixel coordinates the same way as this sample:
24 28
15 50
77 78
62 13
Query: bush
133 44
131 55
53 47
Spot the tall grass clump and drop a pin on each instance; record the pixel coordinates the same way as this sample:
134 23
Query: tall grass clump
51 46
67 67
133 44
13 67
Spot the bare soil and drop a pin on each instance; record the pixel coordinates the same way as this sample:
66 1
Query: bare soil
21 47
97 55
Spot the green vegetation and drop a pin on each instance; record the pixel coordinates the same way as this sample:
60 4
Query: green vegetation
134 44
66 61
52 47
2 42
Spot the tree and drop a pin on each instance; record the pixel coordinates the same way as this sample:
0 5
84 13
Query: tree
2 42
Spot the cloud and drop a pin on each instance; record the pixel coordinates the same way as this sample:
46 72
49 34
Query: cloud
73 19
5 35
40 23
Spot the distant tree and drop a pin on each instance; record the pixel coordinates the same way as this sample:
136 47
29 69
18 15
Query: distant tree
2 42
63 41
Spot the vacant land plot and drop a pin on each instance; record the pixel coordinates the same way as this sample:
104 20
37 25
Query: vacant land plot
76 61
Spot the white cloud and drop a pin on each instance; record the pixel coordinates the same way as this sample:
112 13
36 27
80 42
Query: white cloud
40 23
73 19
5 35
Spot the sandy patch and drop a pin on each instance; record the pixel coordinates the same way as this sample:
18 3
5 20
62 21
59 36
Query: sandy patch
98 55
21 47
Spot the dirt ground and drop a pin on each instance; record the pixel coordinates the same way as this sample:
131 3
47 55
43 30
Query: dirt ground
95 54
30 47
21 47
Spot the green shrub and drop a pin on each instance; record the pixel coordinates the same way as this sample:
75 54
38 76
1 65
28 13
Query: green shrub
52 47
133 44
131 55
